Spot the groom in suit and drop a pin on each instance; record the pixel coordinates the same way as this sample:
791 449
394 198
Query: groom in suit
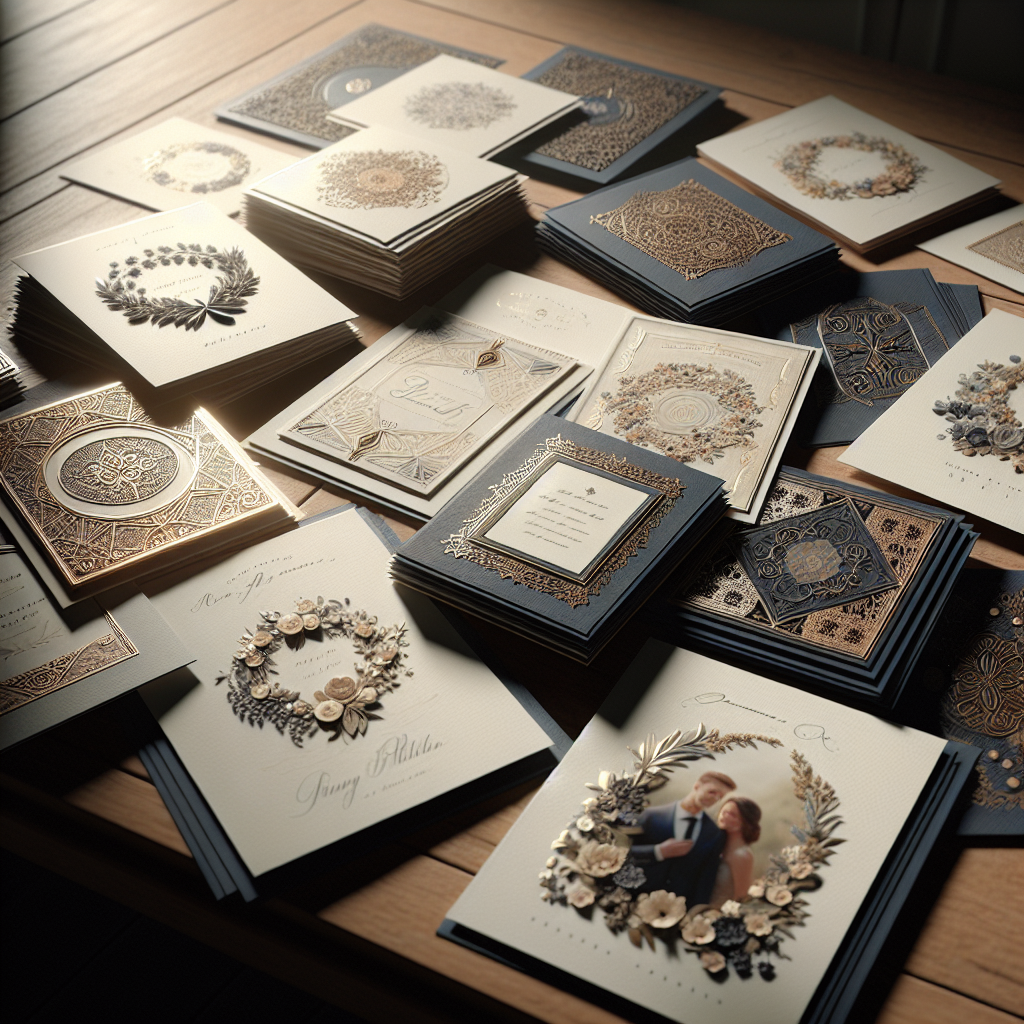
680 845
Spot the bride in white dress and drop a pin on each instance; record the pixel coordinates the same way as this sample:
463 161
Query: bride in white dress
740 820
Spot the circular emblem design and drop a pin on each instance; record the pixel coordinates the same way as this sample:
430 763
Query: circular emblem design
606 109
335 89
197 167
679 412
459 106
380 179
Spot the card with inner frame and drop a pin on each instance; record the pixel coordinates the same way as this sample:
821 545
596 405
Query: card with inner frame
992 247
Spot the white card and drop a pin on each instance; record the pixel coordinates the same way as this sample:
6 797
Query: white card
178 163
433 732
957 434
992 247
856 175
460 104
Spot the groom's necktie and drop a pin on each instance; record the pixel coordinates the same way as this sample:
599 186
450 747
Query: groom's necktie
691 824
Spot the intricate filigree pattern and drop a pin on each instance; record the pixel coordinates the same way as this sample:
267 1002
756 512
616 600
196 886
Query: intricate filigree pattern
1005 247
690 229
117 471
379 180
459 106
167 167
623 106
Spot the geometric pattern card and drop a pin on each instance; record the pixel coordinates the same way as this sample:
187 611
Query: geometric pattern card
294 105
382 183
180 293
177 163
103 487
429 401
958 434
812 561
629 110
858 177
992 247
722 402
455 103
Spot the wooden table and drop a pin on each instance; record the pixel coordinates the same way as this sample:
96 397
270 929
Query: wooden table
80 75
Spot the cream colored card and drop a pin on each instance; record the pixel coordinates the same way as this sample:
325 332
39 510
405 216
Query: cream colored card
721 402
460 104
957 434
434 725
992 247
877 772
853 173
180 293
383 183
178 163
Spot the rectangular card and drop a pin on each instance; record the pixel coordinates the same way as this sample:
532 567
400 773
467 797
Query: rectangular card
705 847
454 103
992 247
294 105
366 706
719 401
957 434
182 293
177 163
861 178
431 398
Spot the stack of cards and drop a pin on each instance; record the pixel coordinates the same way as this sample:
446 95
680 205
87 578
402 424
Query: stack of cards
992 247
863 181
383 209
836 587
185 302
685 244
464 106
10 379
875 342
563 536
96 491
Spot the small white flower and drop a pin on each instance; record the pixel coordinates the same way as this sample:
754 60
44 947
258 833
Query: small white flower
730 908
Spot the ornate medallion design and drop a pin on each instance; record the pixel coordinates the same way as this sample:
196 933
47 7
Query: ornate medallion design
375 180
197 167
902 171
982 421
113 471
227 298
346 704
1005 247
623 106
459 106
690 229
686 411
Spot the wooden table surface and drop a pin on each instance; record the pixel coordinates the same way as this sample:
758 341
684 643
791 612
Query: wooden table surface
78 76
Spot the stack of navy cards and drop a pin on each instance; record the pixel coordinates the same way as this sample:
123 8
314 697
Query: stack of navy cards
685 244
835 587
10 379
563 535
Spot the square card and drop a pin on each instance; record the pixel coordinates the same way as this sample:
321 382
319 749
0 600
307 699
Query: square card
630 109
383 184
294 105
957 435
464 106
713 399
761 914
992 247
367 709
178 163
864 181
181 293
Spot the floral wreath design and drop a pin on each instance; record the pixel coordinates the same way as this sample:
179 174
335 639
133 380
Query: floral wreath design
633 406
981 419
591 864
121 293
902 171
459 106
346 704
157 167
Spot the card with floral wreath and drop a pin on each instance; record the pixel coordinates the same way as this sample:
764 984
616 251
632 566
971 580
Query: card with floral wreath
958 434
714 848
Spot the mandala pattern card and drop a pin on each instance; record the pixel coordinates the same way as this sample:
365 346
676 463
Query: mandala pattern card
458 104
958 434
431 398
992 247
710 848
629 110
863 181
177 163
295 104
721 402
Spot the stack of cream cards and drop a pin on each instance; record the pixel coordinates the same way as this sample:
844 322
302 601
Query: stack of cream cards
383 209
185 301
